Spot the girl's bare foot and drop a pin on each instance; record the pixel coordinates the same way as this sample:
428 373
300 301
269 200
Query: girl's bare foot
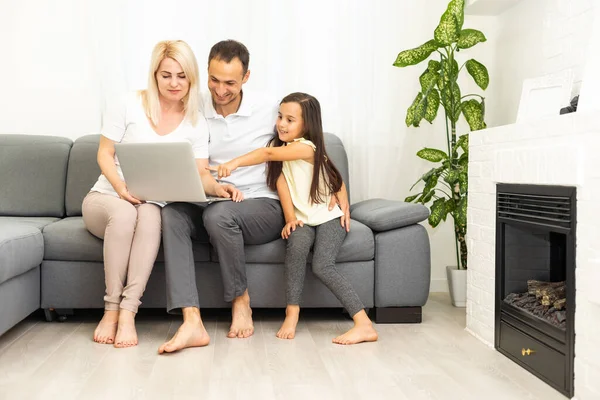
358 334
107 328
241 317
126 333
288 329
191 333
362 331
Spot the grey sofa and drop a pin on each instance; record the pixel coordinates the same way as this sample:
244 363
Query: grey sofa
49 260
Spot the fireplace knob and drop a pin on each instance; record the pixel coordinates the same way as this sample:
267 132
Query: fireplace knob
527 352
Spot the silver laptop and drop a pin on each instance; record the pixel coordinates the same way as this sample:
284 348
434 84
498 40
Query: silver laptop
165 172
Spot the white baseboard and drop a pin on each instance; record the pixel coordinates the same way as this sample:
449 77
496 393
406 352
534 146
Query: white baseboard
438 285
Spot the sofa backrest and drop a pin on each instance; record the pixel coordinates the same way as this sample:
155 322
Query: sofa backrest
33 170
82 173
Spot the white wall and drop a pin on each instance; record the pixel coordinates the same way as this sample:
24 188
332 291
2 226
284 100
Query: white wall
538 37
64 60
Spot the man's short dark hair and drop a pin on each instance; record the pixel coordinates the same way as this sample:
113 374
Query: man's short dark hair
227 50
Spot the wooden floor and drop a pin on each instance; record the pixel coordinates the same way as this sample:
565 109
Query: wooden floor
433 360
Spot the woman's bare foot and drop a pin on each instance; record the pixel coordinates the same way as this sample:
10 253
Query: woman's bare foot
288 328
191 333
362 331
107 328
241 321
126 333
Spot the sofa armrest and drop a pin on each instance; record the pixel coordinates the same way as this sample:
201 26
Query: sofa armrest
383 215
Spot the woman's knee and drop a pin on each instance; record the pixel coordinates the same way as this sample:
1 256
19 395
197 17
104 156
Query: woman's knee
149 215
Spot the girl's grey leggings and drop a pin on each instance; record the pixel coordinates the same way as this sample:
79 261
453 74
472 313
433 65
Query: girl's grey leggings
327 239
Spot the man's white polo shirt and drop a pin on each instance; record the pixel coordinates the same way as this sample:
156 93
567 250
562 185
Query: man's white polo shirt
251 127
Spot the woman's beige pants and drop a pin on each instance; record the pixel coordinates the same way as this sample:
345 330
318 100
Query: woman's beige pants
131 237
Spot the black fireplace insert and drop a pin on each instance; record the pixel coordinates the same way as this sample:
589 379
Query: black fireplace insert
535 280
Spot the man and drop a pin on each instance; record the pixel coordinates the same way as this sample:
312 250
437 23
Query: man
239 122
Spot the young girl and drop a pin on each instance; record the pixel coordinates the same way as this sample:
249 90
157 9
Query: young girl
305 178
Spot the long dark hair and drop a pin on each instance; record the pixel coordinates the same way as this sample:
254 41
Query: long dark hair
313 131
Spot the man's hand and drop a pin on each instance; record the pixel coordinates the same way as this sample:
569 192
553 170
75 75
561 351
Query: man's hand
290 227
224 170
229 192
124 194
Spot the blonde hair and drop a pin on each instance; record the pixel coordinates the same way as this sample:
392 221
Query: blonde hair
181 52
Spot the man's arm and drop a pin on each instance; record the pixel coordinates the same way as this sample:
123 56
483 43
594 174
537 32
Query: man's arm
214 188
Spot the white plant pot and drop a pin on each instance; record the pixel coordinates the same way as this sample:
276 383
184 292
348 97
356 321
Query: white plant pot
457 283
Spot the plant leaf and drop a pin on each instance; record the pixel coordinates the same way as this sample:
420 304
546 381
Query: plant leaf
450 98
449 70
430 184
433 104
410 113
434 66
433 155
448 31
457 7
463 179
463 161
416 55
428 79
428 197
451 177
438 210
473 112
460 214
409 199
463 142
479 73
469 38
450 206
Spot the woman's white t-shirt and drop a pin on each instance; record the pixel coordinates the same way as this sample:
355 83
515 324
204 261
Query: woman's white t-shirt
127 122
298 175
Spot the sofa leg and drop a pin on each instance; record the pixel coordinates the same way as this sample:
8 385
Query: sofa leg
396 315
58 314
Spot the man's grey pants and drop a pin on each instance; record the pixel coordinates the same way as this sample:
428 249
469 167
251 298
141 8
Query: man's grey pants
229 226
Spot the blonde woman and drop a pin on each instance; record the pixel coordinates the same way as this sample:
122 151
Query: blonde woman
164 112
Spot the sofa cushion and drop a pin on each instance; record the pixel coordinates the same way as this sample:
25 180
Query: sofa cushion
359 245
36 222
82 173
33 172
383 215
21 249
69 240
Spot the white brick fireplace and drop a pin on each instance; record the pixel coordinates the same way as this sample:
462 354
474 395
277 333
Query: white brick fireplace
562 150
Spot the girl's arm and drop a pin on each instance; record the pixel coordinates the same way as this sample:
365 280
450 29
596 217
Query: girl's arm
285 198
293 151
106 161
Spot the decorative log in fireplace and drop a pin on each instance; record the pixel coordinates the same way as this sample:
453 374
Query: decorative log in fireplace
535 280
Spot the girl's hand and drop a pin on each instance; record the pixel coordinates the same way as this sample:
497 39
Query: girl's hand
290 227
124 194
224 170
229 191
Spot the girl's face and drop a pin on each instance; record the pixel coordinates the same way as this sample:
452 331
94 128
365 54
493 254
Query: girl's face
290 124
173 85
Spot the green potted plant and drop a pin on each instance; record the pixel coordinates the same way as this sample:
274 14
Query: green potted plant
446 184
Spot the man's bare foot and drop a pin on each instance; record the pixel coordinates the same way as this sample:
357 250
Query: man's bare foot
358 334
107 328
191 333
126 333
241 321
288 329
